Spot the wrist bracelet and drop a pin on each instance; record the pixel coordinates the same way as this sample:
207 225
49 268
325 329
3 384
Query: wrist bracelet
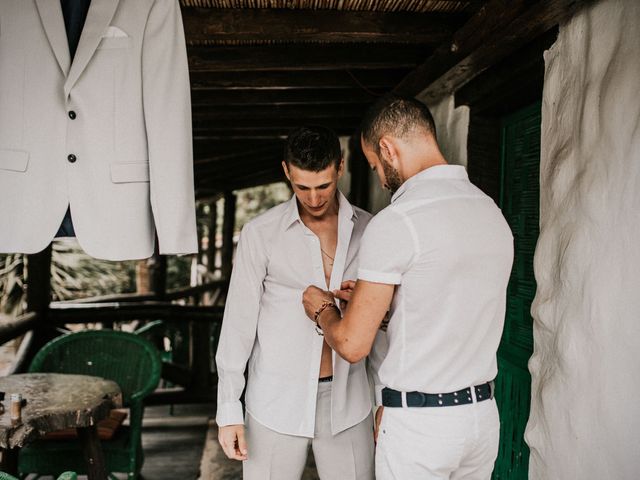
322 308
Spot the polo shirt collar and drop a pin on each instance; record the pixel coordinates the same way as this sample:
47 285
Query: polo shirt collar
452 172
292 215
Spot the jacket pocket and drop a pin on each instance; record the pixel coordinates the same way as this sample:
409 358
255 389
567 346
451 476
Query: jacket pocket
114 42
129 172
14 160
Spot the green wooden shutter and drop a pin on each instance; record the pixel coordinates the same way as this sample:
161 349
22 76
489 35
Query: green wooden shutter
519 200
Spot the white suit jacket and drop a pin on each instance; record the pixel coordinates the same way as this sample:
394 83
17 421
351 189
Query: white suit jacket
109 134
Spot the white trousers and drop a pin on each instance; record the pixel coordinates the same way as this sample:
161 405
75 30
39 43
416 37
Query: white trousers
276 456
437 443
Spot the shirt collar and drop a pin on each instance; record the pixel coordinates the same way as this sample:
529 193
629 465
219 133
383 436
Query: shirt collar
292 215
453 172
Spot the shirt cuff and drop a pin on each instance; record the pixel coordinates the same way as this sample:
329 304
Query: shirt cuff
229 414
379 277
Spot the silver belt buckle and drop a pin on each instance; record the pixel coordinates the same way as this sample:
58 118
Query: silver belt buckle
492 388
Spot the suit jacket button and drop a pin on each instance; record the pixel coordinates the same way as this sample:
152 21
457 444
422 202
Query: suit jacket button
72 158
72 115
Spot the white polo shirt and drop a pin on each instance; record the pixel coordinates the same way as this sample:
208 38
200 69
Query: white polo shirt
449 250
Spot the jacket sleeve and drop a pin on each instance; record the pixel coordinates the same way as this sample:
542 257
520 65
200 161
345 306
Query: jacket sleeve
167 112
239 324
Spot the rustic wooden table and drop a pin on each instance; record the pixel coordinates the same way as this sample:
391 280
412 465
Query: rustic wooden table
57 401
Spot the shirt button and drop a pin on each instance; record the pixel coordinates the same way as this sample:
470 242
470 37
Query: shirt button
72 158
72 115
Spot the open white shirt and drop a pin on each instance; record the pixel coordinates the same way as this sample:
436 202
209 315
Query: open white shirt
277 258
449 250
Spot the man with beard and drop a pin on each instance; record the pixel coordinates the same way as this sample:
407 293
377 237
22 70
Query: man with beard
299 394
438 259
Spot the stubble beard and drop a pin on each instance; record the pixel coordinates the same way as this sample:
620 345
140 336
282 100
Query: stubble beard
392 177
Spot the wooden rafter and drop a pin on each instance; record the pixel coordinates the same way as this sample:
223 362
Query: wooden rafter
225 98
496 30
204 26
333 79
303 57
273 112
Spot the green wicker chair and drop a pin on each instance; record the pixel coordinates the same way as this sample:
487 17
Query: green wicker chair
129 360
64 476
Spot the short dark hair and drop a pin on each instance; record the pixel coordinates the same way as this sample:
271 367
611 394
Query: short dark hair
398 116
312 148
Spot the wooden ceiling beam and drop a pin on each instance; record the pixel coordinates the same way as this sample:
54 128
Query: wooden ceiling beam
213 165
249 134
363 79
246 180
266 113
499 28
237 171
204 127
300 57
239 155
241 137
208 25
220 147
525 62
227 98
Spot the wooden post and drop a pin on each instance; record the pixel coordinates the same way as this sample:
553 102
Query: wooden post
158 274
228 227
39 282
96 467
213 228
38 298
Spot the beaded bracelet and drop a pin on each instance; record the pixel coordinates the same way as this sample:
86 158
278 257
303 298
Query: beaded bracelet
318 312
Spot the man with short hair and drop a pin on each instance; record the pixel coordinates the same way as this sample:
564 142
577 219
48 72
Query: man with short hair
299 394
438 258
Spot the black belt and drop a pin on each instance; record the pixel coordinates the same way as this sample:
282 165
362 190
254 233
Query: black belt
393 398
325 379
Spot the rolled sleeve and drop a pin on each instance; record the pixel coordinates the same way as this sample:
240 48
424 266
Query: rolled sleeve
387 249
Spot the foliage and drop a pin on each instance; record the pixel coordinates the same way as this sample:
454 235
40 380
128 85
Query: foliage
11 283
76 275
73 275
254 201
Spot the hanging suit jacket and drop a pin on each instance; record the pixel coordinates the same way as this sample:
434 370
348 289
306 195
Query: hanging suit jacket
108 135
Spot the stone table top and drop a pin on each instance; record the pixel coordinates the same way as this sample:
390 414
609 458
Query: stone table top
55 401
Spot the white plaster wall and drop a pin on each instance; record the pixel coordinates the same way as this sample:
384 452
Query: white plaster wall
585 412
452 128
344 184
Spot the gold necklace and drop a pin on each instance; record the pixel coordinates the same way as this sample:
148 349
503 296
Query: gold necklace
328 256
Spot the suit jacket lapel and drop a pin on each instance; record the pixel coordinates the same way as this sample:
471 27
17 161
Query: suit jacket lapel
51 16
98 18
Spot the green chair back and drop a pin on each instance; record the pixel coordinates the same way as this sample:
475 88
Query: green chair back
129 360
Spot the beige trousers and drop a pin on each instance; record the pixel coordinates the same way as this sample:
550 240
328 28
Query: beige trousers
276 456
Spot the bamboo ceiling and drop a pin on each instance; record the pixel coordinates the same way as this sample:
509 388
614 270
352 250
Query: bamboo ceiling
260 68
449 6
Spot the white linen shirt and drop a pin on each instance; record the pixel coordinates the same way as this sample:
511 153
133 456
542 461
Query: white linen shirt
449 250
264 322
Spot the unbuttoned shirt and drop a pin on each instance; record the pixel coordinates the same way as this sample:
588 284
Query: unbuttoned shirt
264 322
449 250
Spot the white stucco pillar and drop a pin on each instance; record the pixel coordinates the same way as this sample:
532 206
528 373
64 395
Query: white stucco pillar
585 412
452 128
